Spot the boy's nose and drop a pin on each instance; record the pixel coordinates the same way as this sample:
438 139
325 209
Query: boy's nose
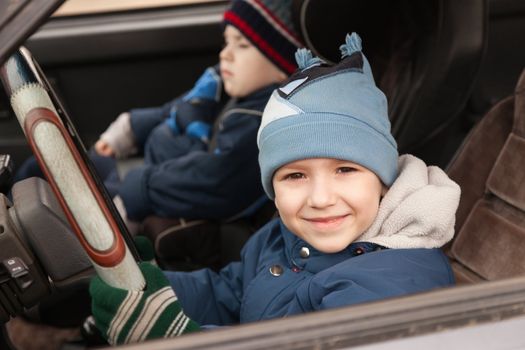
322 194
225 53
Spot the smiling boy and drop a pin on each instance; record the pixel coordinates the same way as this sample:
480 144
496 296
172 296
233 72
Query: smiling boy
357 222
327 202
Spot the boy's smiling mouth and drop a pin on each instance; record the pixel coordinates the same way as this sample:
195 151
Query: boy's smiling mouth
328 222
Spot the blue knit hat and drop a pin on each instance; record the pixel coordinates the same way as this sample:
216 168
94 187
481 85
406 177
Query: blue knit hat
326 111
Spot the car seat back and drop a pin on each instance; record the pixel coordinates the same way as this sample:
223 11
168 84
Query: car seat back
490 168
185 245
424 55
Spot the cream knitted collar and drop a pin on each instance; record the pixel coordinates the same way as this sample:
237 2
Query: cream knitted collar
419 209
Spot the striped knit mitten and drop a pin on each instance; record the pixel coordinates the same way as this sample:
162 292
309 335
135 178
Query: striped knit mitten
145 249
129 316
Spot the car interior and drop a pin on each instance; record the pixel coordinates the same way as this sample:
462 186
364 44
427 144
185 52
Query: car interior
451 72
416 48
490 218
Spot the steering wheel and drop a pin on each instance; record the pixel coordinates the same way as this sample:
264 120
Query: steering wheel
79 192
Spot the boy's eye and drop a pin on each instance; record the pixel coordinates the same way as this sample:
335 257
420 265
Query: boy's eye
243 45
236 44
346 169
294 176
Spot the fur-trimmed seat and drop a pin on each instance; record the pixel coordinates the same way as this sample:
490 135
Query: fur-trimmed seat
490 168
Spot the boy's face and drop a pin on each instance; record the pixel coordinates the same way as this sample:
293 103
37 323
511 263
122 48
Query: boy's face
244 69
327 202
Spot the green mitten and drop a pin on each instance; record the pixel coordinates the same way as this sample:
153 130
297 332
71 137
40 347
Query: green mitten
129 316
145 249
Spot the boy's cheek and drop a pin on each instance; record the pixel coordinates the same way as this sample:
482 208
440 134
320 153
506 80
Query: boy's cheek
279 205
229 88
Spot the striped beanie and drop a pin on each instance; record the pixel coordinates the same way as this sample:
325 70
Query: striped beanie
328 111
268 25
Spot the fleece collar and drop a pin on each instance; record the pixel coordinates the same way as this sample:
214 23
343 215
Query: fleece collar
419 209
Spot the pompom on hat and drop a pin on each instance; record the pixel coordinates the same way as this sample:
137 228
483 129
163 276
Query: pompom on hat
325 111
268 25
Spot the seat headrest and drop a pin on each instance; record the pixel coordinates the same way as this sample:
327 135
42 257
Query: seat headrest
507 178
423 53
381 23
491 231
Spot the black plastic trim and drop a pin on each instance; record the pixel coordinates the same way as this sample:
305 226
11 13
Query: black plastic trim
115 36
21 25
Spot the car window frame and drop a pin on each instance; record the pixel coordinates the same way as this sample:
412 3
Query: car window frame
80 33
26 18
452 308
397 318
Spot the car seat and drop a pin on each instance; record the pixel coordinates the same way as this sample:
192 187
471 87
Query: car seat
490 168
425 56
185 245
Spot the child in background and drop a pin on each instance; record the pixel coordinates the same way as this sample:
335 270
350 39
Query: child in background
202 172
200 155
357 222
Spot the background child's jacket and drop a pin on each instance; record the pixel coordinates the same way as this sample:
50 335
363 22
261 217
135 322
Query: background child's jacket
213 180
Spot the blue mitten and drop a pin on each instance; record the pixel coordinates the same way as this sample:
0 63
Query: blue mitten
194 115
208 87
125 316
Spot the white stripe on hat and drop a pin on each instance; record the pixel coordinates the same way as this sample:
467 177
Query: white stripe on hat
275 109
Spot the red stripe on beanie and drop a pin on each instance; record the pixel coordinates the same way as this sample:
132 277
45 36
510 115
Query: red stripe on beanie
260 42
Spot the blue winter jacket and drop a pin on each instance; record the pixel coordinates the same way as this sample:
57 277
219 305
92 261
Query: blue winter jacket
215 181
281 275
